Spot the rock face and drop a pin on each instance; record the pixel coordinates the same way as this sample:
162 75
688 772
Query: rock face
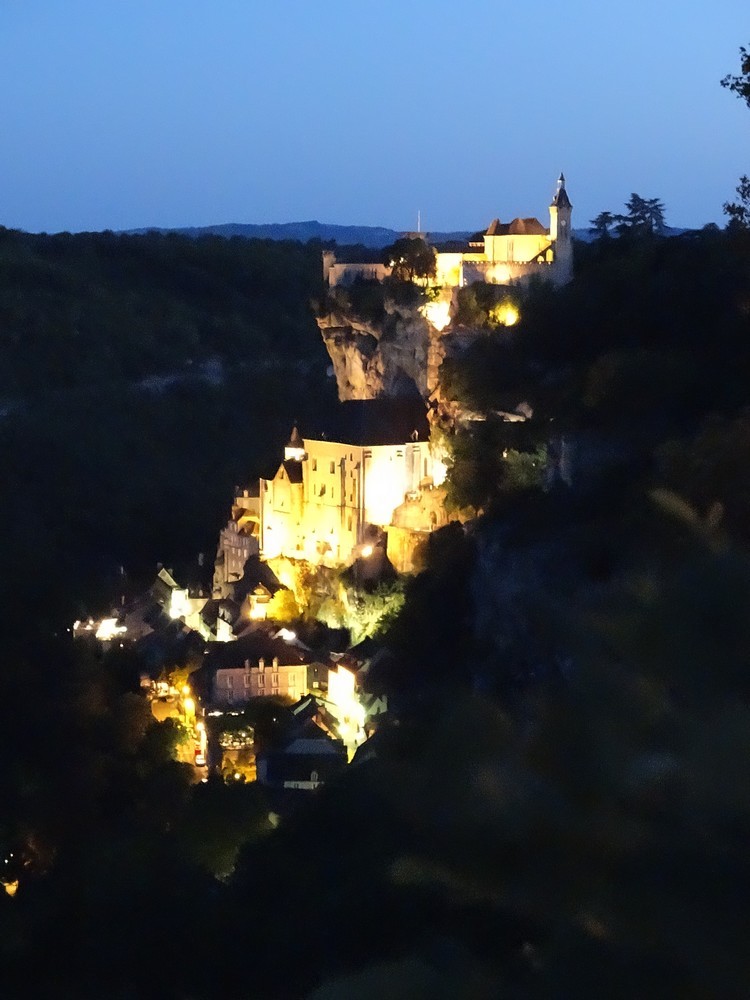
387 358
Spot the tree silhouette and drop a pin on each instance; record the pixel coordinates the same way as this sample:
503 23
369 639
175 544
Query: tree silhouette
602 224
410 259
739 211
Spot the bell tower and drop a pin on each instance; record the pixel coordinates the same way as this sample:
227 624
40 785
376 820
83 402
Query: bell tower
295 448
560 233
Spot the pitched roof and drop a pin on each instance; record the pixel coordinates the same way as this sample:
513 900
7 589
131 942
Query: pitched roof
221 607
383 421
252 646
561 198
295 441
518 227
313 745
255 572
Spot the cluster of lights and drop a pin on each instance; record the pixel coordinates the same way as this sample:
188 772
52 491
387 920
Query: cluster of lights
437 314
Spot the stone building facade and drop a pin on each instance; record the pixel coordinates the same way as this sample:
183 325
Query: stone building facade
326 495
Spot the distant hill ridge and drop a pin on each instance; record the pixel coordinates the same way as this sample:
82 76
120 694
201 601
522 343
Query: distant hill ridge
373 237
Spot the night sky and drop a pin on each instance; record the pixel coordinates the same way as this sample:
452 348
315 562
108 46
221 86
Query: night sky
126 113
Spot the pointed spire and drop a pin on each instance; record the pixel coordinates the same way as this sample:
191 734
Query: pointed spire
295 449
561 199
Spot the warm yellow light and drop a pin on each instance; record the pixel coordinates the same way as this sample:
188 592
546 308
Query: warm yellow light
366 551
505 314
108 629
437 314
439 472
178 604
11 887
385 487
189 706
186 689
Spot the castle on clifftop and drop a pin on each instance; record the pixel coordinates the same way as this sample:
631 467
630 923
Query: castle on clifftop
505 253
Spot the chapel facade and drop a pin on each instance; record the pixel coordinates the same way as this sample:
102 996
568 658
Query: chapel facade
326 496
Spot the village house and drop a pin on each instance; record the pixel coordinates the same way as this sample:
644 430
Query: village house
256 666
309 758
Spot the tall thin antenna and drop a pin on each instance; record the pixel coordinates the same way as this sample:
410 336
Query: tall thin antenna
419 221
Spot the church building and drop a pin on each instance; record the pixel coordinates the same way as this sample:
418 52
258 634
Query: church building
512 252
326 494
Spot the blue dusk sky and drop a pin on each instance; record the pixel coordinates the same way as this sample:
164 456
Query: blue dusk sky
127 113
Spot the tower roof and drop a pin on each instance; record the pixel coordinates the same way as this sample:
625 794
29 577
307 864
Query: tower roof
295 441
561 199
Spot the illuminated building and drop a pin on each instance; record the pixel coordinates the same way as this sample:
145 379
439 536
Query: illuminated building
327 494
505 253
256 665
237 685
237 542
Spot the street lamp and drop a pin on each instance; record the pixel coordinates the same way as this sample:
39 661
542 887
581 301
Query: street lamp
188 704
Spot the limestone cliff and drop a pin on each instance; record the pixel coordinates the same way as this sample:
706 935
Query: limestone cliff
385 355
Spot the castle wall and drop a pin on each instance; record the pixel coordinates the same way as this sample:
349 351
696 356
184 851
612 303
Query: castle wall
507 273
448 269
345 274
